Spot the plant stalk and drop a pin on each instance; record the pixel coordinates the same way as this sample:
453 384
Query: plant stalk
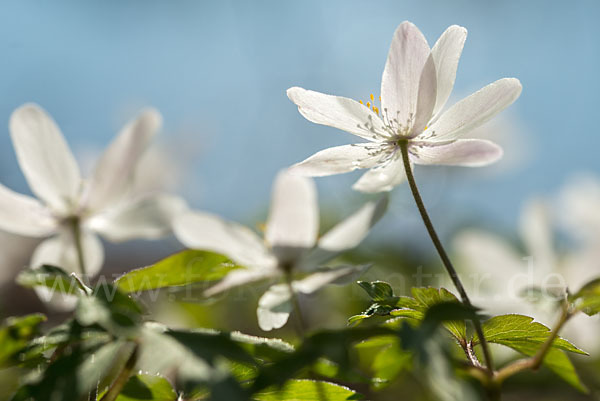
442 252
116 387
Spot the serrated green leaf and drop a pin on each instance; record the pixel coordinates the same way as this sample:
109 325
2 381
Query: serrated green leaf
428 297
147 388
52 277
183 268
587 299
307 390
15 334
506 329
379 291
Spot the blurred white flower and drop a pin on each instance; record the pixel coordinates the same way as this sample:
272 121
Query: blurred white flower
290 245
69 205
416 83
501 275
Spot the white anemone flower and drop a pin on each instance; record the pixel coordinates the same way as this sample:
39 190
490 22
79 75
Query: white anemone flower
416 83
72 210
291 246
501 275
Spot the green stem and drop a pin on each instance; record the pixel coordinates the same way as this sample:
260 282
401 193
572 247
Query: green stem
76 230
116 387
301 324
442 252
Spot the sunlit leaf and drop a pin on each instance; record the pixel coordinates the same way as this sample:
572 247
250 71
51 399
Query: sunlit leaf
147 388
587 299
51 277
307 390
183 268
15 334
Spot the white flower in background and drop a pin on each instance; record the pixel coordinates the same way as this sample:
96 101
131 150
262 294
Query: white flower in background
290 247
500 275
415 86
68 204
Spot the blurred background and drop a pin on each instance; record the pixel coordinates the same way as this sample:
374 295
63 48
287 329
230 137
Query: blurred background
218 72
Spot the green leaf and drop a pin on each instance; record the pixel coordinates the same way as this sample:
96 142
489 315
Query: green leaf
183 268
555 360
15 334
389 363
524 335
148 388
52 277
508 329
73 375
110 308
307 390
587 299
378 290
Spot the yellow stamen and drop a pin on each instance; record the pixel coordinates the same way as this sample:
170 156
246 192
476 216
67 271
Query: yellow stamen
376 109
368 104
360 101
372 98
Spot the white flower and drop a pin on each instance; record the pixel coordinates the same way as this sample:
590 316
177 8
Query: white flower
500 274
290 245
102 205
415 86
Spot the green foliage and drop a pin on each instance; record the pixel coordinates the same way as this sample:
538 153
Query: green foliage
524 335
111 309
51 277
15 334
587 299
415 307
183 268
147 388
307 390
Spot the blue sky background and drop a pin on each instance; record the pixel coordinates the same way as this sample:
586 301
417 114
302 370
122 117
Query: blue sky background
218 72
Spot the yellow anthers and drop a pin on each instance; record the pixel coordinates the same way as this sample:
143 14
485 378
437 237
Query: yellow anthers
380 98
376 109
369 104
360 101
372 98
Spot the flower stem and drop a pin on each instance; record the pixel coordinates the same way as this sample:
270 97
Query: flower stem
76 231
121 380
301 324
442 252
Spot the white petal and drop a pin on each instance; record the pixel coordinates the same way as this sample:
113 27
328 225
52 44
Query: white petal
350 232
274 307
338 275
474 110
23 215
536 231
60 251
294 215
401 78
446 53
338 112
240 277
462 152
337 160
115 170
205 231
383 177
148 217
44 157
496 272
426 98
